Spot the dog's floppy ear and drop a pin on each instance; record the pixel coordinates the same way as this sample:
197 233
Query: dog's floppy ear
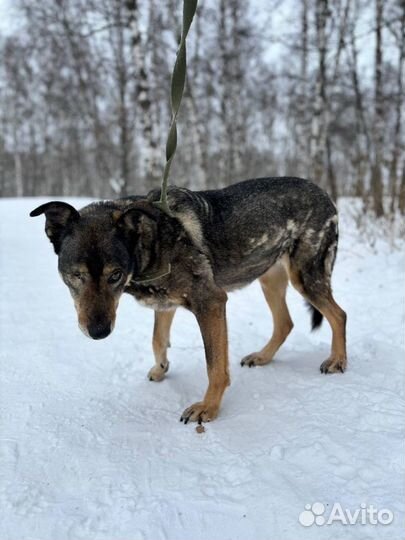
139 220
58 216
133 217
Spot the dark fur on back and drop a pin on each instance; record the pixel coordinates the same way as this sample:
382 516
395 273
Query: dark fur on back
245 228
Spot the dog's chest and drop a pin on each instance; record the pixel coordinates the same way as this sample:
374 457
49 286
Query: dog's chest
159 298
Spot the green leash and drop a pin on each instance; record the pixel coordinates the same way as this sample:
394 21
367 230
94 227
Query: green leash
177 88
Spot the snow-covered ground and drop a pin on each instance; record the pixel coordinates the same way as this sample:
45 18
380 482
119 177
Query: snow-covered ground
90 449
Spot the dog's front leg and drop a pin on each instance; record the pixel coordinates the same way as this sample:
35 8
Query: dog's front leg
211 317
160 342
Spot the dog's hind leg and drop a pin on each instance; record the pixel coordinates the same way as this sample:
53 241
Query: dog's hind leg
311 280
336 317
274 284
160 343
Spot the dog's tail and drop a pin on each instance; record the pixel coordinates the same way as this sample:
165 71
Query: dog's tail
317 316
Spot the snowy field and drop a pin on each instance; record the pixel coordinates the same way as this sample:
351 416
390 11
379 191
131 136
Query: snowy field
90 449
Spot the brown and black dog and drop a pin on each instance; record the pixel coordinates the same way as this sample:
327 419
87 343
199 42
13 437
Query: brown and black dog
272 229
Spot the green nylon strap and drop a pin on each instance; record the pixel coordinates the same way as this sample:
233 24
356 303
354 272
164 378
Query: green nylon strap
177 88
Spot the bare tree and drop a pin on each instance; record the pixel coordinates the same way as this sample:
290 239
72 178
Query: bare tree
148 159
319 119
396 143
376 175
363 148
303 120
116 13
401 195
16 69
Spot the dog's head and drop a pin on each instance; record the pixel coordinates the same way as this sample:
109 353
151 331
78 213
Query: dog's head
97 255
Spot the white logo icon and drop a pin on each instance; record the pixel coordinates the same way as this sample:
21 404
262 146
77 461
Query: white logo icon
312 514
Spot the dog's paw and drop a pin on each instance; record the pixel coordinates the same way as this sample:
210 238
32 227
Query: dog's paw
200 412
334 364
254 359
158 372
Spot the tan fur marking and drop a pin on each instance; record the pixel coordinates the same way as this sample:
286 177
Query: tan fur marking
336 318
116 215
193 226
89 301
82 268
109 269
160 343
212 323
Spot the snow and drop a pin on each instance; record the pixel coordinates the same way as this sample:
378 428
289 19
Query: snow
90 449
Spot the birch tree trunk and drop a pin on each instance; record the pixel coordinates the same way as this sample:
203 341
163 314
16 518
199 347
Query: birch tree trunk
122 83
376 174
303 123
148 154
197 140
396 147
343 19
401 195
226 142
363 140
19 185
237 85
231 52
319 118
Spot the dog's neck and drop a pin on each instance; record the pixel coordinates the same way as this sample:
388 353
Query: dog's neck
151 261
147 278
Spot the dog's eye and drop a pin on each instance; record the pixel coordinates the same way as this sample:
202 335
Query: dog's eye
77 275
115 276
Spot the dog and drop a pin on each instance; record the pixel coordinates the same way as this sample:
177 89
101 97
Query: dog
276 230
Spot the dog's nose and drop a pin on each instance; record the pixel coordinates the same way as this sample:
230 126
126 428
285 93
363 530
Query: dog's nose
99 331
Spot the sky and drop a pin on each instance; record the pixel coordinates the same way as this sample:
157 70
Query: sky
8 17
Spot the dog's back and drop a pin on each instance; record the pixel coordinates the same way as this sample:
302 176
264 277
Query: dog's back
245 228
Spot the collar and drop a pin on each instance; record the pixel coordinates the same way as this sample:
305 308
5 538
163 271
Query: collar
148 278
